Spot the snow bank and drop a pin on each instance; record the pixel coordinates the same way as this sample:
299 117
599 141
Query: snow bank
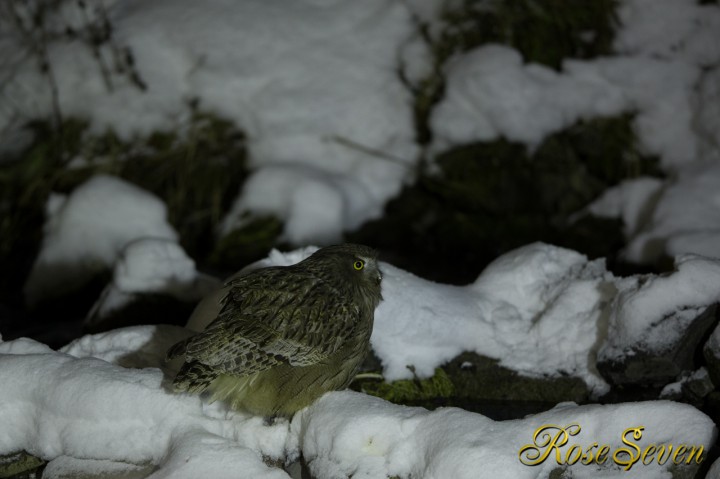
55 405
347 434
85 232
86 415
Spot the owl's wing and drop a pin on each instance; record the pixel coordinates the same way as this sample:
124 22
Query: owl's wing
273 317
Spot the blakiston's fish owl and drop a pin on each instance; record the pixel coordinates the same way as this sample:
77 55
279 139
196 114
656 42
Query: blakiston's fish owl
286 334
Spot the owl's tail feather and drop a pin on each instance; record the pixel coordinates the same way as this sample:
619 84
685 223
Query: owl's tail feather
194 377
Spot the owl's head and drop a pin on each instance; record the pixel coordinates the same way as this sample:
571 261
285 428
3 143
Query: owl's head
354 266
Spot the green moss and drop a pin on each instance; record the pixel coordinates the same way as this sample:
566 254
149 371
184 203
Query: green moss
19 464
411 391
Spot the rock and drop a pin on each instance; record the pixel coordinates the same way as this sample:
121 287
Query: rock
13 465
698 386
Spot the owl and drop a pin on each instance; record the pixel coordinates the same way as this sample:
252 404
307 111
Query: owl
286 334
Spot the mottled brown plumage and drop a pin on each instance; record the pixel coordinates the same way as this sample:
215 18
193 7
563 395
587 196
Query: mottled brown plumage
286 334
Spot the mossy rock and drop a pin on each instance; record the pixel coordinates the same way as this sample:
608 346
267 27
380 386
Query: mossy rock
412 391
20 465
480 384
484 386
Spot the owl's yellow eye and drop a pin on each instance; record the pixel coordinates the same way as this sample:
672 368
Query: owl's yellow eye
358 265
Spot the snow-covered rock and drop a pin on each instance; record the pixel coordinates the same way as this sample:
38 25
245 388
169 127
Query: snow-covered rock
85 232
151 266
656 323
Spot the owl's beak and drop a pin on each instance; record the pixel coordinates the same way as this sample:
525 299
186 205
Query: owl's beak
379 277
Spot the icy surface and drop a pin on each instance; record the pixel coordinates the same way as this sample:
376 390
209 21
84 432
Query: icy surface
85 232
86 415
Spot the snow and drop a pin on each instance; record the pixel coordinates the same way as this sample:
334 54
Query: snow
57 405
313 202
674 390
87 415
491 93
85 232
535 309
